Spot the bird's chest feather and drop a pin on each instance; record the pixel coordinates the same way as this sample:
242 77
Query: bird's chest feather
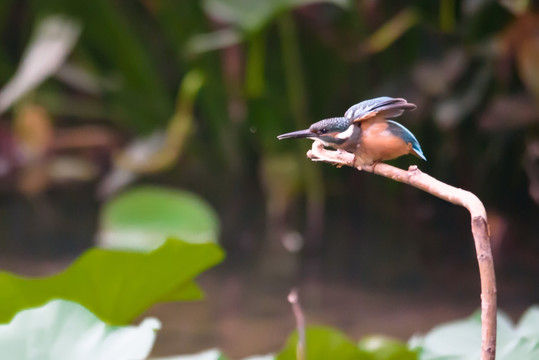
378 143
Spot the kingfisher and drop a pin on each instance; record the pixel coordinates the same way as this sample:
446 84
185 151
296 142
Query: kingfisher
366 131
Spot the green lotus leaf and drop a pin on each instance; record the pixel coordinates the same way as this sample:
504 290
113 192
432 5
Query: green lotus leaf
461 340
324 343
116 286
528 326
141 218
212 354
64 330
384 348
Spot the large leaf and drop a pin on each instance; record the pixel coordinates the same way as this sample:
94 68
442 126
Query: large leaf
461 340
384 348
252 16
528 326
212 354
323 343
142 217
63 330
116 286
247 17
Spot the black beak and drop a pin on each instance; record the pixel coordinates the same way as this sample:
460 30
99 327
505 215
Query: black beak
297 134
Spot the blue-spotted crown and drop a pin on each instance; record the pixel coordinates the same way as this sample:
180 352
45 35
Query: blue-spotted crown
336 124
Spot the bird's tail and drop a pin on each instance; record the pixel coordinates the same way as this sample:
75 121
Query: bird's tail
407 136
418 152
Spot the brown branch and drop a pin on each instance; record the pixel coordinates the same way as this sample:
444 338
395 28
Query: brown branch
480 229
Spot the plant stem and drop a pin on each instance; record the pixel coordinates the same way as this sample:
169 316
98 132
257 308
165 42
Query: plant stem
447 15
293 299
256 55
292 67
480 229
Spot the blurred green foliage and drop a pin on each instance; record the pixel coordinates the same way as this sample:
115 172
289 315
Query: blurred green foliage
276 66
385 348
323 343
328 343
143 217
117 286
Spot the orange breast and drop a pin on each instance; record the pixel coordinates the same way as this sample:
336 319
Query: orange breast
379 144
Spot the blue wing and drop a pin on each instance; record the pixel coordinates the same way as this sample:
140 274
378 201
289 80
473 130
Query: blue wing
385 106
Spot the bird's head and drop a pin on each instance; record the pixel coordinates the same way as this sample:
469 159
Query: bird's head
329 131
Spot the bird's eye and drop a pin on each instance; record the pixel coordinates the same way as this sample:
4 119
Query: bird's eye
324 130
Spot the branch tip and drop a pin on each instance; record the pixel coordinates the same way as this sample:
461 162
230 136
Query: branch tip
293 296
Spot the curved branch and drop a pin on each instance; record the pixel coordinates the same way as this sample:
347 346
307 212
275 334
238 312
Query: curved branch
480 229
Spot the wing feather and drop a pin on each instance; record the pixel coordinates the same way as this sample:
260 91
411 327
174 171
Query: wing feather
385 106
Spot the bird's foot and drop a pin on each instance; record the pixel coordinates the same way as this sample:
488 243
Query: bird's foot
362 165
340 153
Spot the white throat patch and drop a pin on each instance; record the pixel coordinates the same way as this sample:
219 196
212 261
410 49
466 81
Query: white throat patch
347 133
